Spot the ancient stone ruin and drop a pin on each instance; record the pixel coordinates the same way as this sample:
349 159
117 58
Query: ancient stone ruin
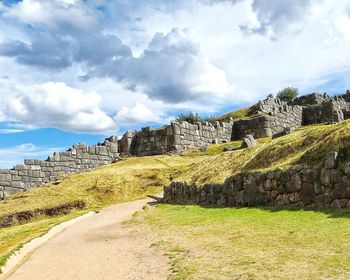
175 137
79 158
318 187
268 118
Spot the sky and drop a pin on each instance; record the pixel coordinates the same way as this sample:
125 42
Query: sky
81 70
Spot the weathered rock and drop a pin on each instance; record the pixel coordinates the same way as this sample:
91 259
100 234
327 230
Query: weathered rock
335 204
285 131
203 148
331 160
228 148
248 141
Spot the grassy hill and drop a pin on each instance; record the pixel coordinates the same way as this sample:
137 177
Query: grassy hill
307 146
32 213
237 114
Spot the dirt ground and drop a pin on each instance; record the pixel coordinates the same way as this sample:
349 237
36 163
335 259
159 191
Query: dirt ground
98 247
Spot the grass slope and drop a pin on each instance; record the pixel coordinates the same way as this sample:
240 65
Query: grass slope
125 180
250 243
306 146
133 178
236 115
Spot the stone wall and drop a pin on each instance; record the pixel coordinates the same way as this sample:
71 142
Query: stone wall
319 187
281 114
270 117
259 127
174 137
322 108
273 117
310 99
321 113
79 158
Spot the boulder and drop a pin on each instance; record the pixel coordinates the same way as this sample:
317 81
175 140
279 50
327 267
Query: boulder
248 141
228 148
202 148
285 131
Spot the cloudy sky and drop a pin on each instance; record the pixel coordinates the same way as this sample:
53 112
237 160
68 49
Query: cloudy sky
79 70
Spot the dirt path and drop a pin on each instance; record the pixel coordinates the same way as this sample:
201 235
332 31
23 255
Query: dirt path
97 247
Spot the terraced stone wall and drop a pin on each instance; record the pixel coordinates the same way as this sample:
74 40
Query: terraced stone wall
79 158
319 187
273 117
174 137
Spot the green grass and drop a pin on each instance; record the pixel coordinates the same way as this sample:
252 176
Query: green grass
13 238
236 115
126 180
250 243
134 178
306 146
217 149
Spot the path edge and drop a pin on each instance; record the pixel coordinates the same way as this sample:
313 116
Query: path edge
20 256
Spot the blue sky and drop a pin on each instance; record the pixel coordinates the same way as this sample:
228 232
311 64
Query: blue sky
78 71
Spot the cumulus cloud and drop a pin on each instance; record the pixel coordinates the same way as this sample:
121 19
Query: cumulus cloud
45 51
55 14
148 63
55 105
173 69
99 49
275 17
57 52
138 113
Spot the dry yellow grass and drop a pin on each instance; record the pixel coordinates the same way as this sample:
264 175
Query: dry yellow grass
126 180
307 146
134 178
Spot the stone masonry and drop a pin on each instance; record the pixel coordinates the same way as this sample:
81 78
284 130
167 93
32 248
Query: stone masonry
268 118
318 187
272 116
79 158
174 137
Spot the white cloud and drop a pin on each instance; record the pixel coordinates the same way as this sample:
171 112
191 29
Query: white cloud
11 156
10 130
138 113
55 105
171 69
276 17
53 13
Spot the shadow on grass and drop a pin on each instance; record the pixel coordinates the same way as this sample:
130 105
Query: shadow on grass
331 213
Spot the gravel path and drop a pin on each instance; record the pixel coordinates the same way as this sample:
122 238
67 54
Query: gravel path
97 247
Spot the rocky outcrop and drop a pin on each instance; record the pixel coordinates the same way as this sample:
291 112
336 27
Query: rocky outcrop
319 187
